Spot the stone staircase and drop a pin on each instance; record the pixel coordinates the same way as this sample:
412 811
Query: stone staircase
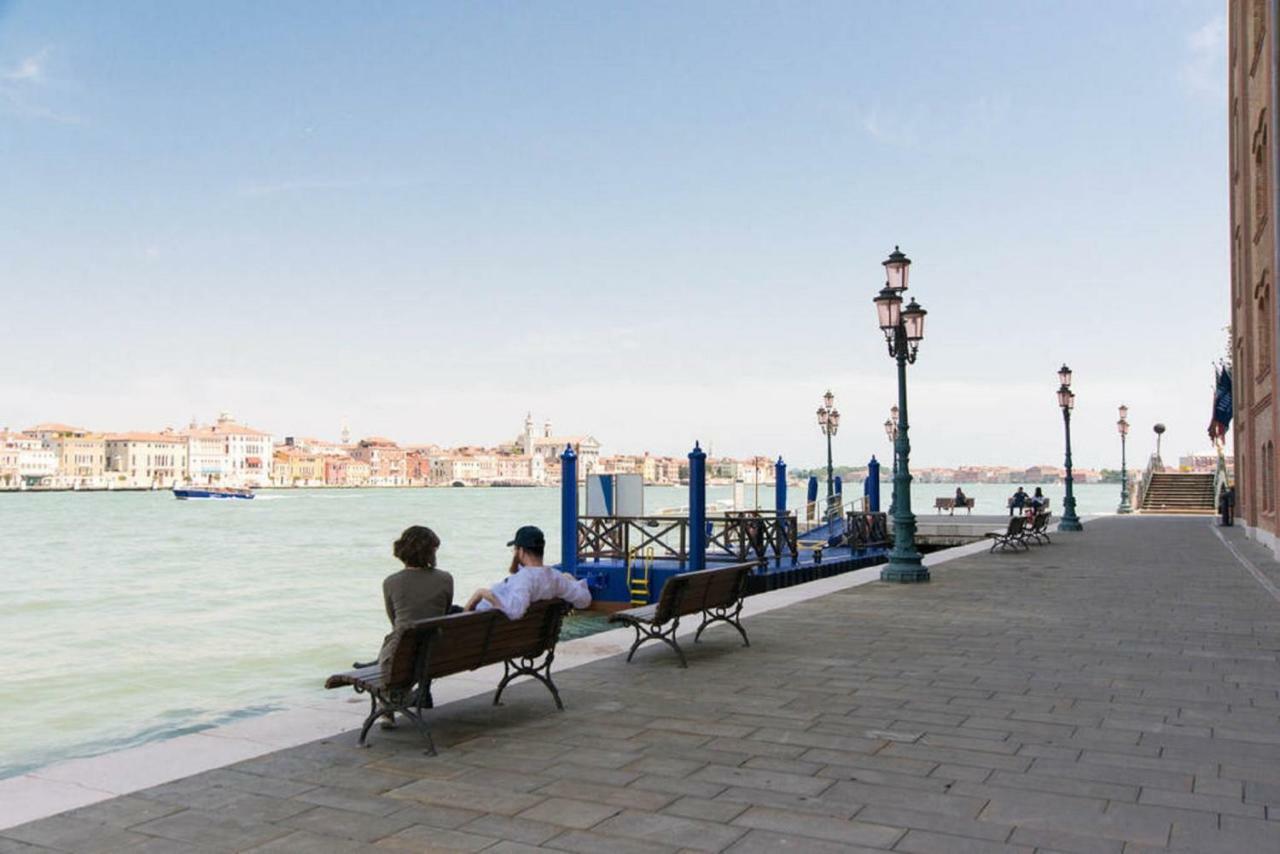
1177 492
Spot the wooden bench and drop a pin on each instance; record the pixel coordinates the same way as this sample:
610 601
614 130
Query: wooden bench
1026 504
1038 531
715 593
443 646
949 504
1011 537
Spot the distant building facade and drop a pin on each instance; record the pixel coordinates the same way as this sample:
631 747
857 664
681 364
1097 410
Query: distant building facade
1252 102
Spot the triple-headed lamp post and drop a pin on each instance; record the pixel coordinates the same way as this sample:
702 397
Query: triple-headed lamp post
829 423
1123 426
903 329
1067 400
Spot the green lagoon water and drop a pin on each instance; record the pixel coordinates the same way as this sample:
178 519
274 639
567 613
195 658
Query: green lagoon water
129 617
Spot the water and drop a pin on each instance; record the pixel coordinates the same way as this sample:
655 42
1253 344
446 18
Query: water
129 617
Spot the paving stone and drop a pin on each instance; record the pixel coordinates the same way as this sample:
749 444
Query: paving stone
123 812
1208 803
678 786
447 793
346 799
927 842
708 810
896 816
301 842
344 824
832 829
756 779
768 842
784 800
1061 840
883 795
587 774
420 838
212 829
667 766
1209 785
671 830
587 842
524 830
567 812
631 796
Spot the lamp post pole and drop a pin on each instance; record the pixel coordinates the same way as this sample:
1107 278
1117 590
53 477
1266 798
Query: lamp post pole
903 330
829 423
1123 426
1067 400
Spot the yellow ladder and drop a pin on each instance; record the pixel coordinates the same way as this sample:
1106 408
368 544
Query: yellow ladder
639 584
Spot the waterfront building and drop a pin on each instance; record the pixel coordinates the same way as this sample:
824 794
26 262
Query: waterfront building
293 466
417 460
145 460
228 453
1252 102
385 459
81 459
549 446
27 462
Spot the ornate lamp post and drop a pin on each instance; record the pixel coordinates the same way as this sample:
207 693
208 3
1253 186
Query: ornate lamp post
1067 400
829 423
903 329
1123 426
891 430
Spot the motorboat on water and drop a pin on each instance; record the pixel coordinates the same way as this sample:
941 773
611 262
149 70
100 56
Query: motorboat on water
183 493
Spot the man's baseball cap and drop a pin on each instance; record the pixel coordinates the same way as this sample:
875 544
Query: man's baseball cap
529 537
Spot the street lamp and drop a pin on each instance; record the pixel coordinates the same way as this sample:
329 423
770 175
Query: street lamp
1123 426
829 423
1067 400
903 329
891 430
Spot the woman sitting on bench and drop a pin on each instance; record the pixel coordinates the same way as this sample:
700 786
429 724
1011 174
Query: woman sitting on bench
417 592
529 581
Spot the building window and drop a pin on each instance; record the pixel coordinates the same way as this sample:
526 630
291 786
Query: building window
1258 31
1263 323
1261 161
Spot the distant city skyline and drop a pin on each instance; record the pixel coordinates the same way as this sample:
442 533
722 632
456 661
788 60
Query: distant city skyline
659 222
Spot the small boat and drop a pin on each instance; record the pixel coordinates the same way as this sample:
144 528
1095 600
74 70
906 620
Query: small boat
182 493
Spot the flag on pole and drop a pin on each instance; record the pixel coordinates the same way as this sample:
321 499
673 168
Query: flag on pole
1221 405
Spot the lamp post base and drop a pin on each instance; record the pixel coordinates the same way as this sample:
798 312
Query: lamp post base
1070 523
904 571
1124 507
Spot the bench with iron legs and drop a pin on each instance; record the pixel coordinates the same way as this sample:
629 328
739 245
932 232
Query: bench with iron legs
442 646
1037 530
1011 537
714 593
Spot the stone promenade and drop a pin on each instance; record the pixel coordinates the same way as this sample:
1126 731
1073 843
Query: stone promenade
1116 691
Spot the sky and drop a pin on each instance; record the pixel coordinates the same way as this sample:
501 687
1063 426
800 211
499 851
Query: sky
652 222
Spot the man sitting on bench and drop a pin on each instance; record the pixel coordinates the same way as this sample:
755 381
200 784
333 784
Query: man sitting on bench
529 581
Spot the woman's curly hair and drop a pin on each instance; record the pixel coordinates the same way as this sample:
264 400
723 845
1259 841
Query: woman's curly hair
417 547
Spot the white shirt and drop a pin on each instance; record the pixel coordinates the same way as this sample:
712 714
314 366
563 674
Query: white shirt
533 584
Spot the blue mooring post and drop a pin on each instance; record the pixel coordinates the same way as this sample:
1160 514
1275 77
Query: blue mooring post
780 488
780 506
840 488
697 508
872 489
568 510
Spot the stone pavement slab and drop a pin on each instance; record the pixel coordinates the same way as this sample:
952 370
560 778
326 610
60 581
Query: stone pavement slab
1116 691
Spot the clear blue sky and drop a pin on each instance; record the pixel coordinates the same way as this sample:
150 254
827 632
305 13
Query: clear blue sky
654 222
